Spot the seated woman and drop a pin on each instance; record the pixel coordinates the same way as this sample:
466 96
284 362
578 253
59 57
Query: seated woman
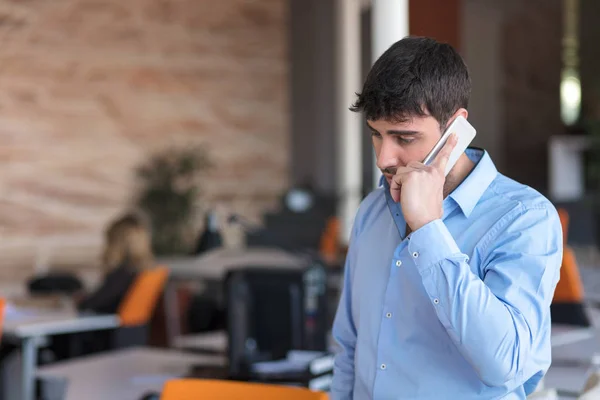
127 251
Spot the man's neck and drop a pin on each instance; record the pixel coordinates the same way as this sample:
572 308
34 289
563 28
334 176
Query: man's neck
459 173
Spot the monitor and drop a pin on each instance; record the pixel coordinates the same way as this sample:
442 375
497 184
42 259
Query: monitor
272 311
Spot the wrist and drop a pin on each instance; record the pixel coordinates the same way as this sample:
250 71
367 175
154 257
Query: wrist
418 224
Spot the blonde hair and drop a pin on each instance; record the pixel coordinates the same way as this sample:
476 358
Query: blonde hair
127 243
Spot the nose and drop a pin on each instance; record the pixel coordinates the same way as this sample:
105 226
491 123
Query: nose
388 156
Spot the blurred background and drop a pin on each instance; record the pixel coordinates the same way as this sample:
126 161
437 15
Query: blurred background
92 90
194 111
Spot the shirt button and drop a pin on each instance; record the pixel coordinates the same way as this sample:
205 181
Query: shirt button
415 254
436 301
398 263
388 315
382 366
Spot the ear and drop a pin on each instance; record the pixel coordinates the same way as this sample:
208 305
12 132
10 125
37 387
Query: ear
460 112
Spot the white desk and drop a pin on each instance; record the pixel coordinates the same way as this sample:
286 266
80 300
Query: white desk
123 374
574 351
214 265
570 379
563 335
590 276
29 328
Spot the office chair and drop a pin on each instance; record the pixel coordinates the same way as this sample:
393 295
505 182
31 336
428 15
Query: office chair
137 307
139 303
568 302
2 310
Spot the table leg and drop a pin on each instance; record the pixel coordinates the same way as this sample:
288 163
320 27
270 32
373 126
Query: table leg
171 305
29 361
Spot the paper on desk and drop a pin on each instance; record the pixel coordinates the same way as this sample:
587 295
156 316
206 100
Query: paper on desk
296 361
303 356
278 367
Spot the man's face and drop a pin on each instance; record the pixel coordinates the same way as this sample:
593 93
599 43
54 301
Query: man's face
397 144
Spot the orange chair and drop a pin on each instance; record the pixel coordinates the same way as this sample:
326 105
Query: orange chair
329 246
193 389
2 309
136 309
568 300
138 305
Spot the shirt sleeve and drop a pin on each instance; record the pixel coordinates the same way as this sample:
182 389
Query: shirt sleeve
344 333
499 322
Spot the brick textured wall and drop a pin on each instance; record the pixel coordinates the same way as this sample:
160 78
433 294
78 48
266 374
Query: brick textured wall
89 87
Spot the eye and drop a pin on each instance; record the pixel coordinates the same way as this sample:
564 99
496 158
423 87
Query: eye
405 140
375 134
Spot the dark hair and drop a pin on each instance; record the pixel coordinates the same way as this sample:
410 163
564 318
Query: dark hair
415 76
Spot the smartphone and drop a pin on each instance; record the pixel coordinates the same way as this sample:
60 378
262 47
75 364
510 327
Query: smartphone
465 132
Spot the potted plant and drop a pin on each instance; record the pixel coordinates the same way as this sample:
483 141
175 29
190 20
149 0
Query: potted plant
170 187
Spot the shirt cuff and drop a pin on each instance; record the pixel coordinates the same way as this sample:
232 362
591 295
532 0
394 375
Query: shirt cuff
431 244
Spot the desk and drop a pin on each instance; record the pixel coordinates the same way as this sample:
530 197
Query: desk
562 335
124 374
574 351
214 265
30 327
590 277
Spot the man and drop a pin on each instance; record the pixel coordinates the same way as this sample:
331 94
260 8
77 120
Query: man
448 281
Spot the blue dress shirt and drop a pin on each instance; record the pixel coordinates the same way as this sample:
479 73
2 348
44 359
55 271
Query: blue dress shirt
458 310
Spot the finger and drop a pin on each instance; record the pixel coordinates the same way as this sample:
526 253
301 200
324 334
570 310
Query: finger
444 155
398 179
395 189
416 165
396 183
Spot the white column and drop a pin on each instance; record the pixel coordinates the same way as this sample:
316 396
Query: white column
349 150
389 22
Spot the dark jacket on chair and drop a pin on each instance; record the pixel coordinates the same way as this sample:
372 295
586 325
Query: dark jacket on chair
107 298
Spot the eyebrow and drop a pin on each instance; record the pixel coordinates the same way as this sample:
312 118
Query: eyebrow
396 132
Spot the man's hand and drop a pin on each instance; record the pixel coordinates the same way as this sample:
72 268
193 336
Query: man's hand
420 188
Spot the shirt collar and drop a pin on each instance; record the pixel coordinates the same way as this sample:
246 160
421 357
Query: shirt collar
471 189
468 193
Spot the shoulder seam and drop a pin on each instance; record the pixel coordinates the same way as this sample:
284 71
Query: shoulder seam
517 211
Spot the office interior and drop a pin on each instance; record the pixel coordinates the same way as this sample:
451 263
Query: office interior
219 135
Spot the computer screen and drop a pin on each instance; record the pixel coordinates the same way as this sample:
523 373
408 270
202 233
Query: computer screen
272 311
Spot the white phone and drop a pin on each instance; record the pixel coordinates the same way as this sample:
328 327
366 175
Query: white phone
465 132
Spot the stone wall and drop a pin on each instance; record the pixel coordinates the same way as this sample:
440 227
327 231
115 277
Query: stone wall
89 87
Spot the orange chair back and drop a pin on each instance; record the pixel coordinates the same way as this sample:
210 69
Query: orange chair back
2 309
564 223
140 301
570 287
193 389
329 244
